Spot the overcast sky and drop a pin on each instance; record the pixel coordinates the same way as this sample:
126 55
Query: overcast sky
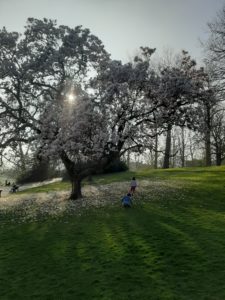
123 25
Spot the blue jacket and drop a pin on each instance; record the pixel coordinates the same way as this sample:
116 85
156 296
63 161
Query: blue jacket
126 200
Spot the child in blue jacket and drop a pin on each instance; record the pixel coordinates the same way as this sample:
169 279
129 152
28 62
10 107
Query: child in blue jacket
126 201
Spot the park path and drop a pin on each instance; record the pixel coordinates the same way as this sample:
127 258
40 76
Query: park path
22 187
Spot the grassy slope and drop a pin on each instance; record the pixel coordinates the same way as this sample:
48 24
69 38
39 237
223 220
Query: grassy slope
189 174
167 247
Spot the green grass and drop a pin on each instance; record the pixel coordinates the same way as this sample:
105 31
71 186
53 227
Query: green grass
166 247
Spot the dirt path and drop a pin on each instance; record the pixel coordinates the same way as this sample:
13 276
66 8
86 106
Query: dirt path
6 189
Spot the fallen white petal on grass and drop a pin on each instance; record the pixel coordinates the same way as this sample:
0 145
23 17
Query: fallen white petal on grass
34 207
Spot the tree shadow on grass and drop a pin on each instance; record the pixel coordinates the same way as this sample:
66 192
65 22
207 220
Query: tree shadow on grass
145 253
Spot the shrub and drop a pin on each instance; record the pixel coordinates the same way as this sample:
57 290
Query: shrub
116 166
40 171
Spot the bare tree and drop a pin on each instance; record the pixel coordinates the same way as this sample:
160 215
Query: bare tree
218 136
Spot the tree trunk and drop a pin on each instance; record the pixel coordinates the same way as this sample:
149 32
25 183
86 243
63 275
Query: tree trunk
173 151
75 179
166 162
76 189
156 152
22 158
128 159
182 148
218 156
191 149
218 159
208 161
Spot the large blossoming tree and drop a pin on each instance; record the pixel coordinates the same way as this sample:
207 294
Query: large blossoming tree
34 66
98 125
75 131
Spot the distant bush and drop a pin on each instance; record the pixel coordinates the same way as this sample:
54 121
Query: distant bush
195 163
39 172
116 166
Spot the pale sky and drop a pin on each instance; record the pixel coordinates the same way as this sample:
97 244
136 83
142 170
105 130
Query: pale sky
123 25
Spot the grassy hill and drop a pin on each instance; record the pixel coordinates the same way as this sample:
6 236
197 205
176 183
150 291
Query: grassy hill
169 245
